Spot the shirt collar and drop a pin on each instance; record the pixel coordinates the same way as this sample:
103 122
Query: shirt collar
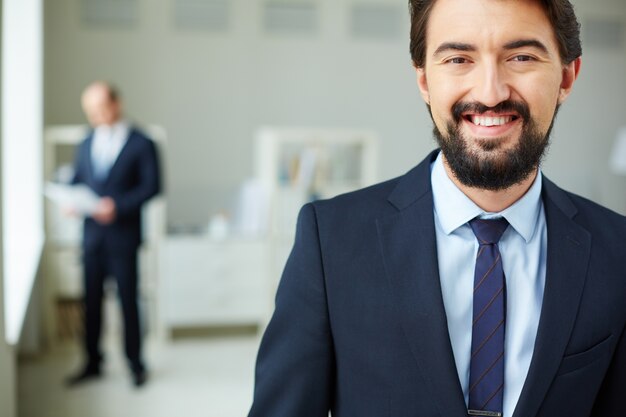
454 209
118 128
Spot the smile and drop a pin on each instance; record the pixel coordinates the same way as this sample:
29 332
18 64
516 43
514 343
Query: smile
490 121
490 125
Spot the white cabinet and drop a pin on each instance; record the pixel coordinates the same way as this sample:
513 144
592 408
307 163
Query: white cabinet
209 282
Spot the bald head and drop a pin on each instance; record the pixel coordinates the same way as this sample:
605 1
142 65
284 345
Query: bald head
101 104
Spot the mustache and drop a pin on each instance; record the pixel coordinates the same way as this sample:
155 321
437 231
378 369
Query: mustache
506 106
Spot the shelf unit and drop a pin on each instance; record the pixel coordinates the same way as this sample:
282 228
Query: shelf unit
298 165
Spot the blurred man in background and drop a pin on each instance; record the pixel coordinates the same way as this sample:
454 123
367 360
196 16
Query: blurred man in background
119 164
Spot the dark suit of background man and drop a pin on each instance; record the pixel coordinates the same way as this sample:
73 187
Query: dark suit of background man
381 310
119 163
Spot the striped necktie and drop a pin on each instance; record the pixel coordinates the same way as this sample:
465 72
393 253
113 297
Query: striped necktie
488 324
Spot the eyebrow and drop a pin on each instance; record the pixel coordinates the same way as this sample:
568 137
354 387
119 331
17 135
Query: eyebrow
527 42
466 47
454 46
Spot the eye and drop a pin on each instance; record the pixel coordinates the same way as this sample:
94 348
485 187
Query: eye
457 60
523 58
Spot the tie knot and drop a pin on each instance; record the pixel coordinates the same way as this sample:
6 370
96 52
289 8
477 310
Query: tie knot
488 231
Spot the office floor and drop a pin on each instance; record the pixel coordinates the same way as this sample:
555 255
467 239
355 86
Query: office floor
192 377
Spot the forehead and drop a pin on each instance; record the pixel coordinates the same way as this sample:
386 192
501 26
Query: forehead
96 95
488 22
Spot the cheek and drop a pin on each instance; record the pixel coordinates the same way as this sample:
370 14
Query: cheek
446 92
542 101
442 98
440 114
542 108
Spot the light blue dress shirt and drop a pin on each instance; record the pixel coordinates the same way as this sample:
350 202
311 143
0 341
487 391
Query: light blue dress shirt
106 146
523 248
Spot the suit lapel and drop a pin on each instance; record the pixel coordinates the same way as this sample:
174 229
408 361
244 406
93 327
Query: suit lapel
569 248
408 245
120 156
86 150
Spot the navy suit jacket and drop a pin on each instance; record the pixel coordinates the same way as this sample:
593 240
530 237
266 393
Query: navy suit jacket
133 178
360 327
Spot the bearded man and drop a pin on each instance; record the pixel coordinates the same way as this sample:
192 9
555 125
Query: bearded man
472 285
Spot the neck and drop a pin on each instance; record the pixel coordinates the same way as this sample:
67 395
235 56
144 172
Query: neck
493 201
110 123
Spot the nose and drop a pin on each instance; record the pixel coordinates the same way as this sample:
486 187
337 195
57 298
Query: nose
491 86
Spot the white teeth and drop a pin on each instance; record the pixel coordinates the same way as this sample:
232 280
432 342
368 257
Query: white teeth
491 121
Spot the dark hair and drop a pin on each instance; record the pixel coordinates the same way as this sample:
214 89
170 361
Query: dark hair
560 13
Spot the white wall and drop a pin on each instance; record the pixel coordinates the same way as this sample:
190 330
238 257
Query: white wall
7 356
211 91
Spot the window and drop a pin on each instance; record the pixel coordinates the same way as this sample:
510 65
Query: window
22 164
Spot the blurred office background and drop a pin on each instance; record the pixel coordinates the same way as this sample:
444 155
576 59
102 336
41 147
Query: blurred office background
257 106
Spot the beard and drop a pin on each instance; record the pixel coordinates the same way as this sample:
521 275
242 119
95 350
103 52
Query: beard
493 169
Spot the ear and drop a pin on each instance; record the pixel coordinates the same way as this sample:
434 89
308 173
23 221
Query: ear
570 74
117 106
422 83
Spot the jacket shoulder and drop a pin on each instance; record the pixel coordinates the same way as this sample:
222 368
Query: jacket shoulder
592 216
371 199
139 135
595 214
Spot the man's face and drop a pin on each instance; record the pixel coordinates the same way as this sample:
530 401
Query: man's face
98 106
493 79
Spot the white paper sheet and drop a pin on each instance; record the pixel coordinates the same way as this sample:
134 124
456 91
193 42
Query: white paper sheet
75 197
